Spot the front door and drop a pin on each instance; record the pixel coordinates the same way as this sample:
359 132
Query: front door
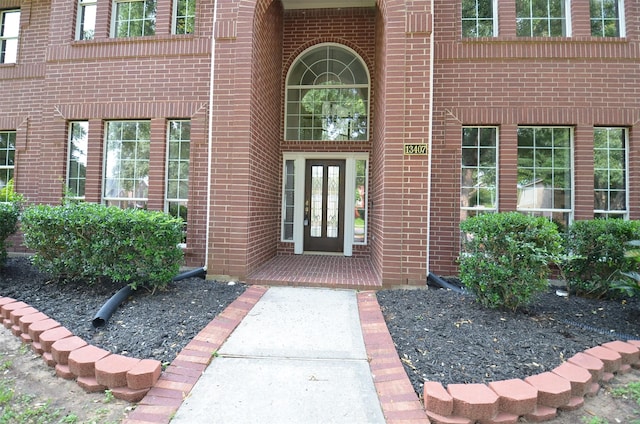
324 206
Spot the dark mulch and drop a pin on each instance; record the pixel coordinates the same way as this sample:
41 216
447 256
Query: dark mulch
146 325
444 336
440 335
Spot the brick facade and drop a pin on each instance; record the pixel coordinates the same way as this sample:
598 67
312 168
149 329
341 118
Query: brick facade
413 201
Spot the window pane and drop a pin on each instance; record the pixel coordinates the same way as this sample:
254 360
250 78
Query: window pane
185 16
77 165
544 170
288 201
135 18
9 29
477 18
86 19
327 96
7 155
178 159
541 18
479 170
610 179
10 24
360 213
126 177
606 18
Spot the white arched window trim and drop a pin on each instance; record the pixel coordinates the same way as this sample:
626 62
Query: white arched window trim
342 87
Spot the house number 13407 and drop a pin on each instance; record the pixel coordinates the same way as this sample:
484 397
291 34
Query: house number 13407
415 149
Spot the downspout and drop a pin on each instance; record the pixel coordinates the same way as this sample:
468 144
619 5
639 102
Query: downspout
430 131
210 134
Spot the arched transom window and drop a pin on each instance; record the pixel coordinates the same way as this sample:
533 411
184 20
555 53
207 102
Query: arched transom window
327 96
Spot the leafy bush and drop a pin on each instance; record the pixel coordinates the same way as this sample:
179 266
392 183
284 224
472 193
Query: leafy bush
506 257
630 283
598 247
88 241
9 214
10 204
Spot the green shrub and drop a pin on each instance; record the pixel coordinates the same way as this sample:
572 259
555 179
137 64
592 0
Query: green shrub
598 247
85 241
629 282
9 214
10 204
506 257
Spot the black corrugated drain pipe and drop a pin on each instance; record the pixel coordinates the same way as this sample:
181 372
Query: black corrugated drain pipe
110 306
121 295
198 272
441 283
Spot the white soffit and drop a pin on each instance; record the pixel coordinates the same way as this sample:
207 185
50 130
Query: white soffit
326 4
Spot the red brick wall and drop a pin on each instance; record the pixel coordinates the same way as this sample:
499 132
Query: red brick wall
265 159
399 189
58 79
577 81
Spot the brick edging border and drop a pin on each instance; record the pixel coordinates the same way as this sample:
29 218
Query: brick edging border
160 394
537 398
176 382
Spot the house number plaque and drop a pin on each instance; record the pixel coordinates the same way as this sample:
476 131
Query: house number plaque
415 149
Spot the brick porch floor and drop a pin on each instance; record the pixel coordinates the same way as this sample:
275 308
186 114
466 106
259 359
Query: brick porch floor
317 271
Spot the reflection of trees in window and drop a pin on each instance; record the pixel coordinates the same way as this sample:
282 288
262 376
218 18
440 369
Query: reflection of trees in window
610 180
177 187
479 170
86 19
327 96
540 18
135 18
334 114
7 159
605 18
477 18
544 172
185 16
360 219
127 163
77 166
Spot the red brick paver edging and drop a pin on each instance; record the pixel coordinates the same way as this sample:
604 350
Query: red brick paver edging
174 385
536 398
93 369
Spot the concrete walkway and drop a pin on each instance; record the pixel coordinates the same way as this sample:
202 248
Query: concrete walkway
297 357
287 355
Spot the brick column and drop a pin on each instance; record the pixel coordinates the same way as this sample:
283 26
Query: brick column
583 172
157 152
508 168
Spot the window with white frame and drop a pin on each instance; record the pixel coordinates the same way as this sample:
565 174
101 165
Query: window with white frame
288 199
126 170
479 173
178 151
134 18
543 18
77 158
545 172
9 31
184 16
7 163
610 172
327 96
86 20
607 18
479 18
360 213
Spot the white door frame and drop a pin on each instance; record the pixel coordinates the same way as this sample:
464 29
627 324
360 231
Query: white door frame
300 159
